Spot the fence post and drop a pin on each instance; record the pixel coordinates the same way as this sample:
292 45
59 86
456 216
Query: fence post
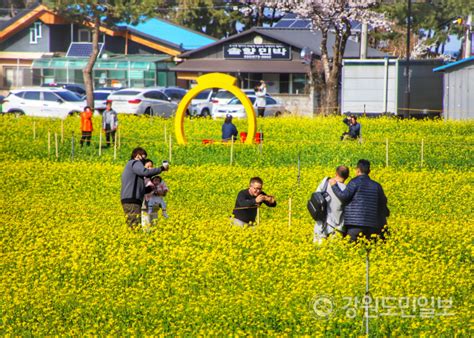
115 146
166 137
72 146
62 131
118 132
100 143
49 143
170 150
56 145
386 152
422 152
299 169
232 150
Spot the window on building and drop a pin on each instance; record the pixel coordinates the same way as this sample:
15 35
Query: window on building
33 37
84 35
38 30
298 83
18 76
284 83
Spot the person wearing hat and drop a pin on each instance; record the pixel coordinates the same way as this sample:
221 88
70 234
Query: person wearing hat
229 130
354 128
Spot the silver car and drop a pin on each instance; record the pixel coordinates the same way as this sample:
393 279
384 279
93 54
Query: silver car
143 101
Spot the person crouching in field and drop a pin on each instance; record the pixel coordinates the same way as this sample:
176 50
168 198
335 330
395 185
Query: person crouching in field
86 126
229 130
248 200
133 186
354 128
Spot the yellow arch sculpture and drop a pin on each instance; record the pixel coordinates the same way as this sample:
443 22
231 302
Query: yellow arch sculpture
209 81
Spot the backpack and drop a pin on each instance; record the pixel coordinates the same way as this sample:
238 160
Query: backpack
318 204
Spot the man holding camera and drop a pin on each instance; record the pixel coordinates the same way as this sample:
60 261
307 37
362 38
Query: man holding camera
248 200
365 204
133 185
354 128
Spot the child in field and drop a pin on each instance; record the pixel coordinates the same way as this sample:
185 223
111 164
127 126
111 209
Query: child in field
149 187
156 199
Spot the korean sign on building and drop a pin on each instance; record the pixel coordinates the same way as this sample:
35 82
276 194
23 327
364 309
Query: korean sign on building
257 51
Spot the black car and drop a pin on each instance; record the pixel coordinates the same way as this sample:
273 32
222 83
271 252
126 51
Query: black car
73 87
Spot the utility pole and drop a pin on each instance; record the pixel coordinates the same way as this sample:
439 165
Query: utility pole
407 62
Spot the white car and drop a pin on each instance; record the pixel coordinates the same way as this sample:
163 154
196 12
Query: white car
43 102
237 110
223 97
100 99
139 101
201 105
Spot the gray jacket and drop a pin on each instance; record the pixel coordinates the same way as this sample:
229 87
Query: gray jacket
335 209
109 117
133 185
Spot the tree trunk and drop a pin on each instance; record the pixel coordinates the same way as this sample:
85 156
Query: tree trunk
87 71
332 69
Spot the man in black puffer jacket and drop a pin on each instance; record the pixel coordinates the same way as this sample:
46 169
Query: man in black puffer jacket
365 204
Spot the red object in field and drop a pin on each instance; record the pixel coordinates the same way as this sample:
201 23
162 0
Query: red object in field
258 137
207 141
243 136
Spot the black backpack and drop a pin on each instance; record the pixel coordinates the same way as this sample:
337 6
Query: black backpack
318 204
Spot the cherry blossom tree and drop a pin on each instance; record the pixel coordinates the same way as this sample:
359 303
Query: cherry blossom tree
331 17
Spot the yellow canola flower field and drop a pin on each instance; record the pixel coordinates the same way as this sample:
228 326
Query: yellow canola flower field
69 266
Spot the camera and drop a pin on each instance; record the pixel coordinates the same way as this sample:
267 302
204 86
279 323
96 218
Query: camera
165 164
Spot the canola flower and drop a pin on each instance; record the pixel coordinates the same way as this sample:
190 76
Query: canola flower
71 267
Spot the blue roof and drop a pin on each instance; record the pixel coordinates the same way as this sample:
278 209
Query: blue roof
454 64
171 33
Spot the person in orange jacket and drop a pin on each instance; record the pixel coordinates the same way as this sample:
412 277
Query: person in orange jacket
86 126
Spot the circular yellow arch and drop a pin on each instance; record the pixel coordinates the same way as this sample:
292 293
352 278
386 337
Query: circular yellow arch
209 81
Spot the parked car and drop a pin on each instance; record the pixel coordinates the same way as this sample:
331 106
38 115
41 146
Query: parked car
201 105
237 110
43 102
223 97
100 99
175 93
79 89
139 101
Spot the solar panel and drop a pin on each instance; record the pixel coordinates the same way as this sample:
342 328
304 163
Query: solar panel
81 49
283 24
301 24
